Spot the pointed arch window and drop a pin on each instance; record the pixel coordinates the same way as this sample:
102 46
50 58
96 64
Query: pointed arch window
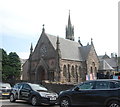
65 71
76 73
95 69
68 73
91 70
80 71
72 71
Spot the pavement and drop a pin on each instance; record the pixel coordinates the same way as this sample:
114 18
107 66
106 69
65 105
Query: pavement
19 103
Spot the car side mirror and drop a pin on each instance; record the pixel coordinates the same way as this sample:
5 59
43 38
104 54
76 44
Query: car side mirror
76 89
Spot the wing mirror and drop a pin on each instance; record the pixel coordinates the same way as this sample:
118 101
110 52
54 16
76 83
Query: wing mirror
76 89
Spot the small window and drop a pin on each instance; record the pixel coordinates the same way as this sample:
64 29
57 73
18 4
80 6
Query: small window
112 85
102 85
26 87
117 84
88 85
18 86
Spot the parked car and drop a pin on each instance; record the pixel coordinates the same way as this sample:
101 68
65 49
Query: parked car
104 93
5 89
33 93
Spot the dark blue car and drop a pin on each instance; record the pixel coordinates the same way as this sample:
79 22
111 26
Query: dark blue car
104 93
33 93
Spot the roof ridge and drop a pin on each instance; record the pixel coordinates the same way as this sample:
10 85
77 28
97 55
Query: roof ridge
61 38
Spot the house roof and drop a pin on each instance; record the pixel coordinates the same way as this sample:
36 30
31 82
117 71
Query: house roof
111 61
104 65
69 49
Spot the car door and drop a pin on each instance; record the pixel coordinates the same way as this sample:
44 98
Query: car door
16 90
83 93
101 92
25 92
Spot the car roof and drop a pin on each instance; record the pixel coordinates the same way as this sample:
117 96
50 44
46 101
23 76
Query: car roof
105 80
28 83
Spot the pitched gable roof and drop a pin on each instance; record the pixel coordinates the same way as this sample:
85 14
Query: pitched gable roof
104 65
69 49
84 50
111 61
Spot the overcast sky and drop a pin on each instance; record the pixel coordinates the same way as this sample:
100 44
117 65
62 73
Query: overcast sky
21 23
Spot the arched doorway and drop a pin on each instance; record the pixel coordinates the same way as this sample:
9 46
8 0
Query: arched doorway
41 75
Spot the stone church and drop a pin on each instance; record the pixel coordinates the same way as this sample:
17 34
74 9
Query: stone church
56 59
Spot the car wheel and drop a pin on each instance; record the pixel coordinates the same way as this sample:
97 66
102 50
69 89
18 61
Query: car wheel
34 101
65 102
12 98
114 104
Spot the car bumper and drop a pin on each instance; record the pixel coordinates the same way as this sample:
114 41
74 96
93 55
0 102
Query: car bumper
5 95
48 101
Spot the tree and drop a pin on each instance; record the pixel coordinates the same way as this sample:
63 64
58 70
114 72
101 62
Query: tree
15 64
11 66
4 64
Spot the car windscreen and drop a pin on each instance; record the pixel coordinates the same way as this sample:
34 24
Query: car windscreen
5 85
38 87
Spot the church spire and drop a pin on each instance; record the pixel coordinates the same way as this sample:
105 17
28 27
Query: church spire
69 29
69 21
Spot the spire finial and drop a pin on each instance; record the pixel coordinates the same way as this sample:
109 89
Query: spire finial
58 42
43 27
69 21
91 41
79 41
31 49
69 12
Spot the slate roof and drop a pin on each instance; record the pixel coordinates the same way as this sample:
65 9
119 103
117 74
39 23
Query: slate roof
111 61
84 50
104 65
70 50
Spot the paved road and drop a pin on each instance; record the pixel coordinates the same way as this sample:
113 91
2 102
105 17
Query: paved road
19 103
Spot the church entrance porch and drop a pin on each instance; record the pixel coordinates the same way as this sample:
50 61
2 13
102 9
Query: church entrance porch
41 74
